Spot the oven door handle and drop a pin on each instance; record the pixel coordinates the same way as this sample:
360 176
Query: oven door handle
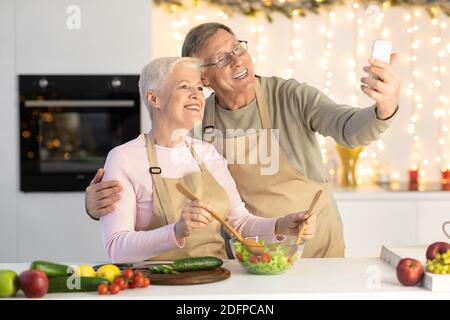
79 103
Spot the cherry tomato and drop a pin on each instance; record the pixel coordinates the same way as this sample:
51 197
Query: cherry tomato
253 259
121 283
131 285
102 289
146 283
138 274
266 258
128 273
138 282
114 289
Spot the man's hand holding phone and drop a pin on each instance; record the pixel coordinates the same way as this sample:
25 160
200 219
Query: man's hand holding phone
383 82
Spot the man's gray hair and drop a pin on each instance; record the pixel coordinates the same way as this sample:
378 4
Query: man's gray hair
198 35
155 73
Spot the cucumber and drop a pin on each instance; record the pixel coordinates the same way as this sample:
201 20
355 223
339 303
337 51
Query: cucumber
195 264
51 269
59 284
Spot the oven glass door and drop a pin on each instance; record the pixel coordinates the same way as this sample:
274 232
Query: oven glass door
64 144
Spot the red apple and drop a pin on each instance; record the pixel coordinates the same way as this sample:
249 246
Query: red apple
435 248
409 272
34 283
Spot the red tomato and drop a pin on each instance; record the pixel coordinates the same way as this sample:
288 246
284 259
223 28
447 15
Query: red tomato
138 282
146 282
266 258
121 283
128 273
138 274
114 289
102 289
253 259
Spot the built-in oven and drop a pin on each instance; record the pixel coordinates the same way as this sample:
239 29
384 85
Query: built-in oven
69 123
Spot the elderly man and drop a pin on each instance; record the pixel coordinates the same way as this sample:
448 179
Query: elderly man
244 107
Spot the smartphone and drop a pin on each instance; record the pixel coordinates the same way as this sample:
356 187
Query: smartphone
381 50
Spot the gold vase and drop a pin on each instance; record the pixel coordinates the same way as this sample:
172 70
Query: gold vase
349 160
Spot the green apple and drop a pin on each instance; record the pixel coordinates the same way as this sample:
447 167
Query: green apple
9 283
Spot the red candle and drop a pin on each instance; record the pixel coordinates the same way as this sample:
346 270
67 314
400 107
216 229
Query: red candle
445 174
445 179
413 175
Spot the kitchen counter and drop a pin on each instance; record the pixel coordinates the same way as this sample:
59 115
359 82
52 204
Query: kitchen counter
397 191
350 278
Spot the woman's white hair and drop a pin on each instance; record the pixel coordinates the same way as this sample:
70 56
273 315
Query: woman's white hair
155 73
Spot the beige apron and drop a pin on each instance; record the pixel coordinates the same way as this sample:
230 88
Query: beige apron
168 204
286 191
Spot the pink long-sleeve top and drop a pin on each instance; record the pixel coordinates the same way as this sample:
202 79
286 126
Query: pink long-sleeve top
125 231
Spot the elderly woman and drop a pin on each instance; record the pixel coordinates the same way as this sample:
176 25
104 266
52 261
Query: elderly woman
152 219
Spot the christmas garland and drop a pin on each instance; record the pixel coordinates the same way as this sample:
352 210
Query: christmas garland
302 7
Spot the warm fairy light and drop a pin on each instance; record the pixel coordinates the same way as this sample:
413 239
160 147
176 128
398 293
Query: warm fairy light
222 15
178 27
295 52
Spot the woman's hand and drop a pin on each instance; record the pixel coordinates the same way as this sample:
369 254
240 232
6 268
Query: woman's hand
290 225
195 214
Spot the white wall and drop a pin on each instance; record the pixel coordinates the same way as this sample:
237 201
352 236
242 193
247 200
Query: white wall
9 173
115 37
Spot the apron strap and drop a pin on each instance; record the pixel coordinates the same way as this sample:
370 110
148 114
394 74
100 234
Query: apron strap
200 162
262 106
208 128
162 194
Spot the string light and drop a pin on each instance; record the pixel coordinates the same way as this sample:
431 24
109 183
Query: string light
295 50
412 91
178 24
258 30
441 111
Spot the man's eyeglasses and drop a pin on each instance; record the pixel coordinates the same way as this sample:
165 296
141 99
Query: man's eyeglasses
238 50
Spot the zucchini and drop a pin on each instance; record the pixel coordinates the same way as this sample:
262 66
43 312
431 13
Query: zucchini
87 284
195 264
51 269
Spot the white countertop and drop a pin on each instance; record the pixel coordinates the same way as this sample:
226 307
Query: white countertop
350 278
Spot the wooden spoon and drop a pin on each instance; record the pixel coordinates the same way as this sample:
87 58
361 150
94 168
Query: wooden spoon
250 244
308 214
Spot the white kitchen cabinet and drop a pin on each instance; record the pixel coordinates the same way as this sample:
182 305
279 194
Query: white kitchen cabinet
370 224
431 215
373 216
113 36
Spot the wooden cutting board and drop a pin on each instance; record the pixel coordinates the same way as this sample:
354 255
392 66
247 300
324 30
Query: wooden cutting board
187 278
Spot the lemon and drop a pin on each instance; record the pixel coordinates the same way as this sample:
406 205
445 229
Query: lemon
87 271
108 272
